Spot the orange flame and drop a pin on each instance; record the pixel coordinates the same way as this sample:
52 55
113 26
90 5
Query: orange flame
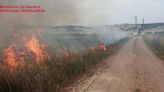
102 46
10 58
36 48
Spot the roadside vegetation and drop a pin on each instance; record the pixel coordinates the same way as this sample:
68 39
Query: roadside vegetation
53 75
156 43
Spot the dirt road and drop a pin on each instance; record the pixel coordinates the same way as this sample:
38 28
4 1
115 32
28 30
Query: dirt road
134 68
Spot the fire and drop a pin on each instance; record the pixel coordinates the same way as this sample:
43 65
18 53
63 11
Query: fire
10 58
36 48
102 46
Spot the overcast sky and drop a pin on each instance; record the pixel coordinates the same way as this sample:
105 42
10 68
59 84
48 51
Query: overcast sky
88 12
121 11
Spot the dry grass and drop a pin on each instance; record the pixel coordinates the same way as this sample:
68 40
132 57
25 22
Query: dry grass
50 76
156 43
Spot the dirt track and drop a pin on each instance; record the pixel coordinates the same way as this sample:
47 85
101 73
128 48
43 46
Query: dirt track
134 68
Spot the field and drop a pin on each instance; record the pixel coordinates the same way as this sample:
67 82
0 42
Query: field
50 76
35 60
156 43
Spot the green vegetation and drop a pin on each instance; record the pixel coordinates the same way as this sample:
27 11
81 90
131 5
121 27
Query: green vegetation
52 76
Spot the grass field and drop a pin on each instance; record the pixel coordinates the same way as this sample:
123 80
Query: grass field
156 43
52 76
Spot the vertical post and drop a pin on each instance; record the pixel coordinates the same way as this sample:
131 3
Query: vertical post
143 22
136 22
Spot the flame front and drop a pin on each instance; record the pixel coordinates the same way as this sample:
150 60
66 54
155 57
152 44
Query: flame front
102 46
10 58
38 50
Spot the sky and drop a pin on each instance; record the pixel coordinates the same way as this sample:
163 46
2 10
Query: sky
86 12
122 11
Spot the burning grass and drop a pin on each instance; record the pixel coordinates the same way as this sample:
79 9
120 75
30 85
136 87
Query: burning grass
10 58
37 49
45 73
